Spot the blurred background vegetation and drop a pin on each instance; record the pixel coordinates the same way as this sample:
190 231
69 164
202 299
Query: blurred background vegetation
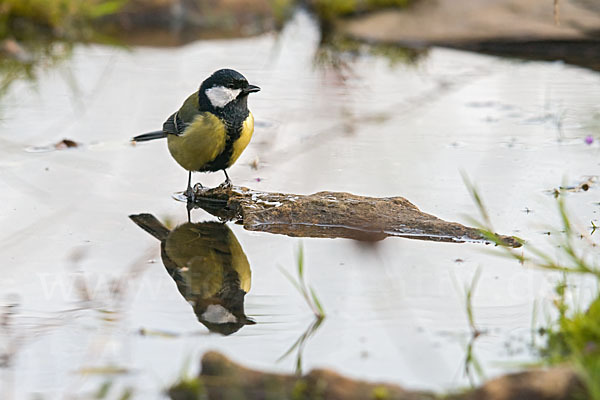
78 20
41 33
36 34
60 19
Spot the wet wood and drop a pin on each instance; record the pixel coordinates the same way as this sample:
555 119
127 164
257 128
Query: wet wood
333 214
221 378
559 383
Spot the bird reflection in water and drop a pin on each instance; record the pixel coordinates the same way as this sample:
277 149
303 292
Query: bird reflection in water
209 267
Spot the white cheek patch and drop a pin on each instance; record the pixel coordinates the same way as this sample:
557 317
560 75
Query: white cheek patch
220 96
217 314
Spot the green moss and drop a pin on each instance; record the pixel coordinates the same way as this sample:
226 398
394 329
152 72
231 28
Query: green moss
275 388
327 10
380 393
282 11
300 390
127 394
187 389
22 19
578 333
575 338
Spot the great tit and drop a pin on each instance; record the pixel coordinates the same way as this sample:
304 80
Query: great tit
209 267
213 126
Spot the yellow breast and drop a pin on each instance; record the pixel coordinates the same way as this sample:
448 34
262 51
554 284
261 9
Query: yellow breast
202 141
240 144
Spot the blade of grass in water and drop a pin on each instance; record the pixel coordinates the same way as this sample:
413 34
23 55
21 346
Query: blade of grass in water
307 292
469 291
572 337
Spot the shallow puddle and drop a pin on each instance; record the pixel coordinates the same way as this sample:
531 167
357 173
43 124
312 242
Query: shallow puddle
87 298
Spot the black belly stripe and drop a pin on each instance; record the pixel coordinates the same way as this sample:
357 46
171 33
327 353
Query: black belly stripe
233 116
222 160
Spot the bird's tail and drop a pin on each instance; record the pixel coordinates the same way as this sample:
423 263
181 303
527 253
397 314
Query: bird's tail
150 136
150 224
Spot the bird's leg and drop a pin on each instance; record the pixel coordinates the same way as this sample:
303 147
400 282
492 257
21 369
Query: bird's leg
189 207
189 192
227 182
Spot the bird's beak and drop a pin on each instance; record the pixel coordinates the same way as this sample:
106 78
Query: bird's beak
251 89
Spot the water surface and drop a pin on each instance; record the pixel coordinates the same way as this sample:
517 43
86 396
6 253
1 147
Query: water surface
395 308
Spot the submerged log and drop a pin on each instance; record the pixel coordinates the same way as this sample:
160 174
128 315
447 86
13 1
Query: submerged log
333 214
221 378
560 383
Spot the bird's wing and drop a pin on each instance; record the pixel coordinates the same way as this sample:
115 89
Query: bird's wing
174 125
180 120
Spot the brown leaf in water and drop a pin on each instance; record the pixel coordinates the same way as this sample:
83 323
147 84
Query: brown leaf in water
66 144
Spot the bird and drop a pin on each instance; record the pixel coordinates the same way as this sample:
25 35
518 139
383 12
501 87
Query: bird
212 128
209 267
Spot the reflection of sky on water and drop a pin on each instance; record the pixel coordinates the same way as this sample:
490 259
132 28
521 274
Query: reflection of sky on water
394 313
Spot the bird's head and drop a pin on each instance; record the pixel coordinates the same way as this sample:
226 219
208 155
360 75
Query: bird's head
225 87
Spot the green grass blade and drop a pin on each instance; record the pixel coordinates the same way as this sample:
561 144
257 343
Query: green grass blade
300 262
317 303
292 280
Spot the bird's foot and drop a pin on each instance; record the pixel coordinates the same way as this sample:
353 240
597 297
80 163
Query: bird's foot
226 185
190 193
